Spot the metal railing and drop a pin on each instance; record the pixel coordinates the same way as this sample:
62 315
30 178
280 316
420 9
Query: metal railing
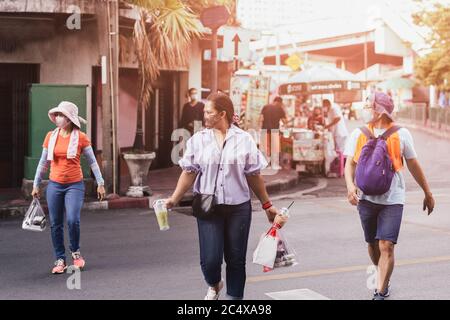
435 117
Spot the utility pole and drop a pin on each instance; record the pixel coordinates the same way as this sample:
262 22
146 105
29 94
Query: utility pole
108 31
102 12
114 34
214 66
214 18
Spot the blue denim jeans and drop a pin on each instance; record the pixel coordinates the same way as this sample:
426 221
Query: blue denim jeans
226 235
66 198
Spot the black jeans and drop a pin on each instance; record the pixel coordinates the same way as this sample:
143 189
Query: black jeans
226 234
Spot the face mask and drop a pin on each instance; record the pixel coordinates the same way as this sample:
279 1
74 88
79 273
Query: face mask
212 121
194 97
61 122
367 115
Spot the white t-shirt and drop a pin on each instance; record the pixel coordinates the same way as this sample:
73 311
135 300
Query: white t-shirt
396 194
340 129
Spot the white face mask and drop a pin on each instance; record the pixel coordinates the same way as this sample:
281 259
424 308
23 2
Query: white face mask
61 122
194 97
367 115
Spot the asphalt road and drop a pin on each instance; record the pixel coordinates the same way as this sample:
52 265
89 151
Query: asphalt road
129 258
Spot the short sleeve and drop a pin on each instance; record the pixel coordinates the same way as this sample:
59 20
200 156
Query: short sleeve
263 111
337 113
84 140
46 140
352 141
187 163
409 151
282 113
255 160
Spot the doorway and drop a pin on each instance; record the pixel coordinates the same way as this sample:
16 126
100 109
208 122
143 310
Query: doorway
15 80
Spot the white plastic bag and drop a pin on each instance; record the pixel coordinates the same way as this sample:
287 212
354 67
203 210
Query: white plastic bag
34 217
266 251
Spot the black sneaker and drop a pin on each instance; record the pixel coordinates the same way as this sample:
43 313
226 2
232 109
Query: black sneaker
378 296
386 293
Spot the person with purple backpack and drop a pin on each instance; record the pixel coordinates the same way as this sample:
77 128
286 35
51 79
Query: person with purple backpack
375 184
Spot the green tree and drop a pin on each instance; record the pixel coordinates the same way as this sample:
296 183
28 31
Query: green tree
434 68
161 39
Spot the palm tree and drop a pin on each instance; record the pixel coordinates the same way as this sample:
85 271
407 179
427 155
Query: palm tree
161 38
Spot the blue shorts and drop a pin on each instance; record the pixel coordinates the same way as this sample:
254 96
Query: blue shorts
380 222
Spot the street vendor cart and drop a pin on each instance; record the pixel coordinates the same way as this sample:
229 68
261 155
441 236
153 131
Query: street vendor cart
313 151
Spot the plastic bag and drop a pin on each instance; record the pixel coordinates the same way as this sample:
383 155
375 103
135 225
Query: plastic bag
266 251
286 255
273 251
35 219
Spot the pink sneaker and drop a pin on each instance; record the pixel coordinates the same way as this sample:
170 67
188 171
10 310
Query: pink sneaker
60 267
78 260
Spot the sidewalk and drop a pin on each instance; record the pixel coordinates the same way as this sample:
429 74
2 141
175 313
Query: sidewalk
162 183
433 130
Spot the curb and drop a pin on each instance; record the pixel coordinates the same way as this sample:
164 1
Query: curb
17 211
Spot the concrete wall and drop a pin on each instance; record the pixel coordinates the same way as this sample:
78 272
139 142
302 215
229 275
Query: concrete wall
65 58
68 58
49 6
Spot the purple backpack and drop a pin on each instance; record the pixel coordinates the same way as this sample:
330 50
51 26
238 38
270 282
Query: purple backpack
375 171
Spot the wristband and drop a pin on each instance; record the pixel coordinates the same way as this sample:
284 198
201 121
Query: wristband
267 205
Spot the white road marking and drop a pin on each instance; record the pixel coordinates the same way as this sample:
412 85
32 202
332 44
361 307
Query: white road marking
297 294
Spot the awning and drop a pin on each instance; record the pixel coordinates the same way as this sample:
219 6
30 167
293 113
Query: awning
320 80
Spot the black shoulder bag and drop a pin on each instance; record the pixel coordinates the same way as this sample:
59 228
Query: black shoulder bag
203 204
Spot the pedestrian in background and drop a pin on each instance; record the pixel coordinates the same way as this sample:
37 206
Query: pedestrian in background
192 111
62 148
336 124
271 115
225 159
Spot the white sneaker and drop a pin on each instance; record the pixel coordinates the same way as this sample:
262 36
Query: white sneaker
212 294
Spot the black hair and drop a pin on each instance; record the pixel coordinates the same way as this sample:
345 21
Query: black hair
326 102
191 89
278 99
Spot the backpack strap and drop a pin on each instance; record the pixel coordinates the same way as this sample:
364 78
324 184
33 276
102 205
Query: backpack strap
367 132
390 132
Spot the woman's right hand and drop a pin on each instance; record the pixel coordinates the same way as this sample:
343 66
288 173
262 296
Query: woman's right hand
170 203
352 195
36 193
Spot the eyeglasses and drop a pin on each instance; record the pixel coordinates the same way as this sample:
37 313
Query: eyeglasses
367 104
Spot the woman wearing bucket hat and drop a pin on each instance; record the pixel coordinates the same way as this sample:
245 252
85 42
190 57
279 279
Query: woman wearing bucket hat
62 148
374 166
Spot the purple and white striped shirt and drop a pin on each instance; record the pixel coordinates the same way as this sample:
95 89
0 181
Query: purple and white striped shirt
240 158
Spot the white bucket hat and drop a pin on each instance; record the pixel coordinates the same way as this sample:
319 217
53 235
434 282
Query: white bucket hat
70 110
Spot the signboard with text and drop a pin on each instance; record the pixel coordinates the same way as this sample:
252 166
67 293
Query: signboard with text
258 97
318 87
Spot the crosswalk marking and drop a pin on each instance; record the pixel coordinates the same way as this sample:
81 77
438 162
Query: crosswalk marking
297 294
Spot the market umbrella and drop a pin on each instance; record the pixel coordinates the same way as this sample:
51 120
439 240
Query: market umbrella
320 79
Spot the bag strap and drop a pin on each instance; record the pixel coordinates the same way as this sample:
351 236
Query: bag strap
218 167
367 132
390 132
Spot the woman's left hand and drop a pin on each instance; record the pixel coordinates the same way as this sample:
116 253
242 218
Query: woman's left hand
101 192
271 213
274 216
